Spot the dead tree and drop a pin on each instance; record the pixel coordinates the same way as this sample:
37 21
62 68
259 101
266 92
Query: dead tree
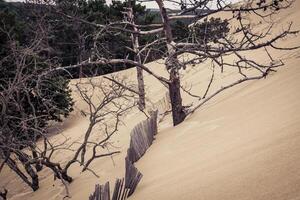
107 102
22 126
104 113
130 18
241 39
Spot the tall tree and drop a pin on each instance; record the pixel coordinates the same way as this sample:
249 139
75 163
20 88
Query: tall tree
130 18
33 93
210 41
28 99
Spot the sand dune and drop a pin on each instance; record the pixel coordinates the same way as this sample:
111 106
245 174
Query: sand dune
243 144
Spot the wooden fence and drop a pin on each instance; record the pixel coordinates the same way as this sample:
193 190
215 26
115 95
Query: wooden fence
141 138
163 105
123 187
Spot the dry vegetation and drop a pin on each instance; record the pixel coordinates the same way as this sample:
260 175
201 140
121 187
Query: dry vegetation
106 107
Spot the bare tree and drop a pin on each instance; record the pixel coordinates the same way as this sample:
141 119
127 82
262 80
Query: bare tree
130 18
27 104
105 111
242 38
106 101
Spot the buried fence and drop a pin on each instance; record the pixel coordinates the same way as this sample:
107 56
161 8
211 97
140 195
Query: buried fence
163 106
123 187
141 138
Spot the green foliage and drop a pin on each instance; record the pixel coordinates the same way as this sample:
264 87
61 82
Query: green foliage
210 30
180 30
29 99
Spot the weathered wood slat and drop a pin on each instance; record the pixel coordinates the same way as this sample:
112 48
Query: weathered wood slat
142 137
106 191
135 183
163 104
116 190
123 191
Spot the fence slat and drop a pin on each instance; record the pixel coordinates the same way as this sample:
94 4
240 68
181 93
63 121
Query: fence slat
141 138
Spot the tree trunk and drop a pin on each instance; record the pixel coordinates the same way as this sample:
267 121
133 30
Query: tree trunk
58 171
178 112
13 165
66 177
172 64
137 58
141 87
30 171
38 166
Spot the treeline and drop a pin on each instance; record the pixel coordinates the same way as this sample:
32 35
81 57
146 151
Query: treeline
37 38
71 41
40 41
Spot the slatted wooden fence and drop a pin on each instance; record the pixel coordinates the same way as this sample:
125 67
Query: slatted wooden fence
102 192
162 106
123 187
141 138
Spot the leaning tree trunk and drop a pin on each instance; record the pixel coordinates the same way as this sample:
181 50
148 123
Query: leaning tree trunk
178 112
30 171
13 166
172 65
38 165
58 171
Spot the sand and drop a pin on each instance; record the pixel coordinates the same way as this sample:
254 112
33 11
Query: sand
243 144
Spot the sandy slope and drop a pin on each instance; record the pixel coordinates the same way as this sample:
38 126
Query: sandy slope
244 144
108 168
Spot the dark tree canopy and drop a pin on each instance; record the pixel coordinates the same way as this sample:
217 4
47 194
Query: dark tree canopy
24 92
